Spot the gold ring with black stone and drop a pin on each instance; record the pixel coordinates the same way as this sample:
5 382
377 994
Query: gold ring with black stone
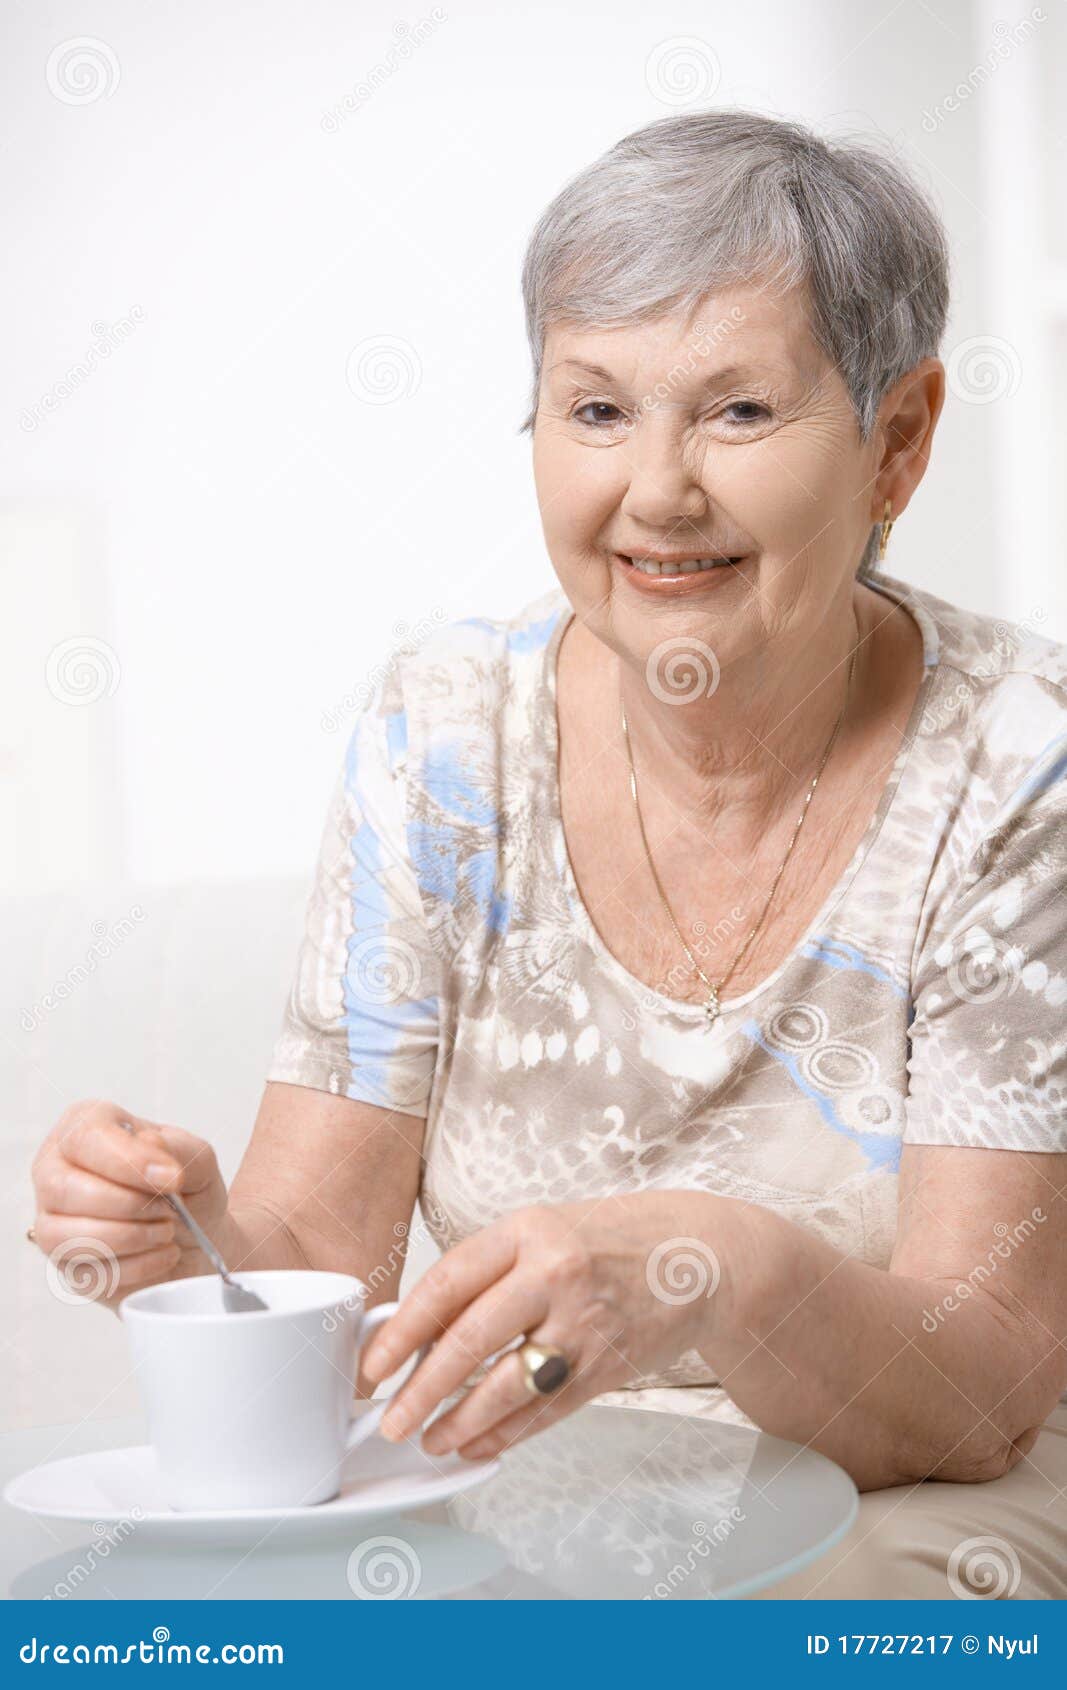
544 1368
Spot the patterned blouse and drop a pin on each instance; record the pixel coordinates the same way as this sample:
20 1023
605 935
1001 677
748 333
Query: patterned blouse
450 969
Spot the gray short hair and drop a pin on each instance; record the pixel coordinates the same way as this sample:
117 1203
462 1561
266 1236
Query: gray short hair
705 200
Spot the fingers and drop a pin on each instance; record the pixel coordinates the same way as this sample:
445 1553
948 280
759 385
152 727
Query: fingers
104 1237
146 1268
501 1394
523 1423
196 1158
487 1325
66 1190
444 1290
499 1411
92 1137
101 1220
82 1267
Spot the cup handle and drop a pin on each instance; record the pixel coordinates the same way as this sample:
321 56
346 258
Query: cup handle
361 1429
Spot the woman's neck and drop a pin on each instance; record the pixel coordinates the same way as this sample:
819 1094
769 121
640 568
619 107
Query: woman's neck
743 756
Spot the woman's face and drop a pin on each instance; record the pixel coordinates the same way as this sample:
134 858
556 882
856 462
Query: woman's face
728 434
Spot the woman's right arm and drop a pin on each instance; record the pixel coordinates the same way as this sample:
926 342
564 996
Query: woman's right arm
330 1181
326 1182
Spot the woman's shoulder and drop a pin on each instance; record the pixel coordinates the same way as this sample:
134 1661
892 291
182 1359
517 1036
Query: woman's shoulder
458 712
469 670
993 726
983 649
998 697
460 716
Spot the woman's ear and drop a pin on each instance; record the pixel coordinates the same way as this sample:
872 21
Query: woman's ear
907 418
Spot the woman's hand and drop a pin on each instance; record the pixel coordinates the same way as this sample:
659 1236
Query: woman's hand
100 1219
620 1284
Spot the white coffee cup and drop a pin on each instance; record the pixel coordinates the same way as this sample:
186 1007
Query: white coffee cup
253 1410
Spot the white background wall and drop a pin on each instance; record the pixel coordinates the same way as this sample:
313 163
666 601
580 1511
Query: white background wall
211 529
242 529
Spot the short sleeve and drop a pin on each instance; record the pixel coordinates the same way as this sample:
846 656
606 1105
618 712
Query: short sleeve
987 1059
362 1015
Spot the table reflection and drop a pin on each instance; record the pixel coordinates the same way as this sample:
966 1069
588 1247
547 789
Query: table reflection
621 1504
612 1502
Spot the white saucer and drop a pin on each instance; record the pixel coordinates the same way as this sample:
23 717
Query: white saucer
111 1486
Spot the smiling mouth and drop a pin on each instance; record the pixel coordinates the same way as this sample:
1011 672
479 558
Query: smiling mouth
682 566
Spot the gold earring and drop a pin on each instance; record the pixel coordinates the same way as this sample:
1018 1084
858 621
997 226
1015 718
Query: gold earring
887 529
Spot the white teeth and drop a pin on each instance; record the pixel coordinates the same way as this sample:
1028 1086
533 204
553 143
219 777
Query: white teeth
691 566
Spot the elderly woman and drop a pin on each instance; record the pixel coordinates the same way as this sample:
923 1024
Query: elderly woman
693 944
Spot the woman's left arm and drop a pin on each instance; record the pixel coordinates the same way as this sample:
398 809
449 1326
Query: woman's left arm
944 1365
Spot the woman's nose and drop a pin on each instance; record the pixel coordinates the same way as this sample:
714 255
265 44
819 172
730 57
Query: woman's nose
664 480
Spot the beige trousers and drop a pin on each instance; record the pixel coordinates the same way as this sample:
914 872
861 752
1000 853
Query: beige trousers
1005 1539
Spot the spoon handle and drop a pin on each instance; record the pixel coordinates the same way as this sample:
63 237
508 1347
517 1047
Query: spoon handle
194 1226
198 1233
236 1299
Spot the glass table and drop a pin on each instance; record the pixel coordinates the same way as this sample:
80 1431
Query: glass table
612 1502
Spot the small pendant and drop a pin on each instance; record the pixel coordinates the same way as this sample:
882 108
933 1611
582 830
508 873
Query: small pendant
711 1008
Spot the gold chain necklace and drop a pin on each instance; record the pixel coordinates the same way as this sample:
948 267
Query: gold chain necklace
712 1006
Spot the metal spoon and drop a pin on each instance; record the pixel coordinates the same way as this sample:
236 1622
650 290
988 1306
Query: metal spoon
236 1299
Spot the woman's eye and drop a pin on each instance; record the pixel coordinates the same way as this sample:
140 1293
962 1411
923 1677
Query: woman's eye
600 420
754 412
602 414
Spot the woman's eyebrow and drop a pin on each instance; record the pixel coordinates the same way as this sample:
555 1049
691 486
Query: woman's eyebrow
730 372
580 364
